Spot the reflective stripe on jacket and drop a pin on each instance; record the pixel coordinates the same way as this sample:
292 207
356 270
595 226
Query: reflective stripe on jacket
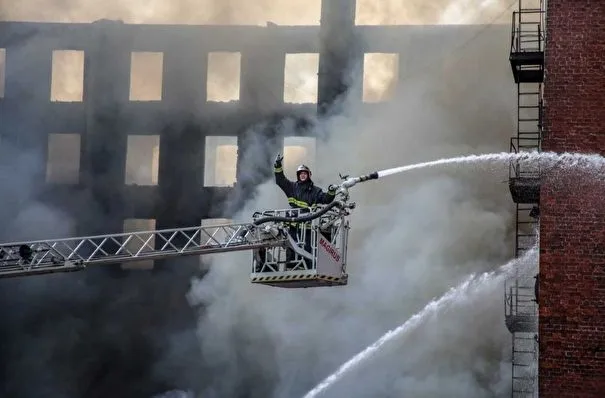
302 195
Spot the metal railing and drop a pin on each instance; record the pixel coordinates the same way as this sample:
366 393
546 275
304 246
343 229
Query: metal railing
523 168
520 297
527 33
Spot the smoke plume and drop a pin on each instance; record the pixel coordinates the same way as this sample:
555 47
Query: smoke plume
414 236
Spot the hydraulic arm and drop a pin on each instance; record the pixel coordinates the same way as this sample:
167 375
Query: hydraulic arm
270 229
73 254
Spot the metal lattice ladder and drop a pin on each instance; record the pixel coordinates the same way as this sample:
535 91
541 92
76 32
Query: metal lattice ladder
73 254
277 249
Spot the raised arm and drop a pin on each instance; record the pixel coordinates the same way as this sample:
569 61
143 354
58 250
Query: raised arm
280 179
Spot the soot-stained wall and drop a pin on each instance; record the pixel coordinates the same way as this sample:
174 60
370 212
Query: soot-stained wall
103 332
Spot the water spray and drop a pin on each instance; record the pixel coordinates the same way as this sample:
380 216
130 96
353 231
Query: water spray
454 295
590 162
349 182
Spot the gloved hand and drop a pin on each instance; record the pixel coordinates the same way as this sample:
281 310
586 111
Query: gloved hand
278 160
332 189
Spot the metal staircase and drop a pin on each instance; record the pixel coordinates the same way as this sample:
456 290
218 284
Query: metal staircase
521 314
527 41
527 63
521 304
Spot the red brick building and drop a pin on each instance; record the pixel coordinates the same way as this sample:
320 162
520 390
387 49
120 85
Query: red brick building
558 62
572 207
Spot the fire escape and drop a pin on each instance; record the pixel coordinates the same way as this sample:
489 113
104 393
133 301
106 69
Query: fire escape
521 302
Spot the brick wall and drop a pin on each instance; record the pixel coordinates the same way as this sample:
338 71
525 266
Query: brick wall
572 263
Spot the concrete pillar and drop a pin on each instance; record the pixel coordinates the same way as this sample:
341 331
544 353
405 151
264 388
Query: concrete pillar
104 144
23 115
106 91
181 160
262 93
339 51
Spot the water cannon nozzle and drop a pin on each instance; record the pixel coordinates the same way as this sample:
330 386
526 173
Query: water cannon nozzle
371 176
352 181
348 182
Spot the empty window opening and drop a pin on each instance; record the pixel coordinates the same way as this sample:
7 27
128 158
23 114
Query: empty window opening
67 80
214 235
223 79
220 161
143 243
380 76
142 160
297 151
300 78
146 76
2 71
63 159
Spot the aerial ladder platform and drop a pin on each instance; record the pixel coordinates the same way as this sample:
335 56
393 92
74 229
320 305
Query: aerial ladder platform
290 247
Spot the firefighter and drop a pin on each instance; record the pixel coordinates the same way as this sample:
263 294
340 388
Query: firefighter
303 195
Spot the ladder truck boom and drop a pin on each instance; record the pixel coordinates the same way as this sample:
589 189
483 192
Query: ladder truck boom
290 247
73 254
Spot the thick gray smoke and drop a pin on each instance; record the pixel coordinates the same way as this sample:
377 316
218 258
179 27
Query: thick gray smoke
413 237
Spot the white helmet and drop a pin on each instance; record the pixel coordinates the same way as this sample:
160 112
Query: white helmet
302 168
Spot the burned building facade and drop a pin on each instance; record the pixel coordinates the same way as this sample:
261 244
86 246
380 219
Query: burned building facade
113 127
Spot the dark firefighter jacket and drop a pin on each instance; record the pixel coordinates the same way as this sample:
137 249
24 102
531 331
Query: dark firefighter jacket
302 195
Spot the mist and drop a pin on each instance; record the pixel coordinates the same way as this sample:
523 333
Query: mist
413 237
